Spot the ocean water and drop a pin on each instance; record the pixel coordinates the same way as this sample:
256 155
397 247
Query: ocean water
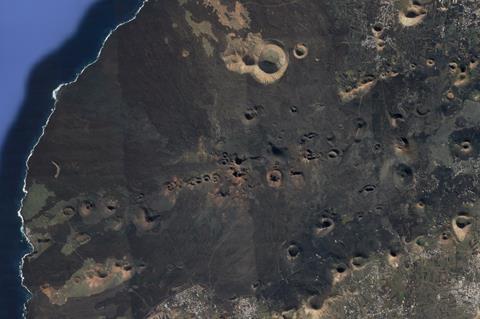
29 30
68 34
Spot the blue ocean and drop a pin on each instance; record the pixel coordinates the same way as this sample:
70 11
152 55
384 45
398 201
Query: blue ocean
42 45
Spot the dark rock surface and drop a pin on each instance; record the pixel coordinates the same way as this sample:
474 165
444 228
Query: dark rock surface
304 159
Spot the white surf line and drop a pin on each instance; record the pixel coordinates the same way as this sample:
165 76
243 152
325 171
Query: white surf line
25 192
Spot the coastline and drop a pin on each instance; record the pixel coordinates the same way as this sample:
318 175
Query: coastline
44 126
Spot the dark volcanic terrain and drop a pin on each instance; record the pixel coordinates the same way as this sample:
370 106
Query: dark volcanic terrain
265 159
